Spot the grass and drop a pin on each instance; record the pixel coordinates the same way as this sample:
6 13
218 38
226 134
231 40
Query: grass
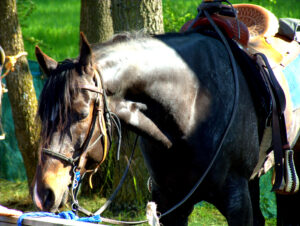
54 26
15 195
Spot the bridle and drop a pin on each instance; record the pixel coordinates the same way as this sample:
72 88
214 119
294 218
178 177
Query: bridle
102 115
98 113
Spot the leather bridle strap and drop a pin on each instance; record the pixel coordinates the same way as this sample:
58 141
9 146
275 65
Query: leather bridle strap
94 89
101 119
71 160
57 155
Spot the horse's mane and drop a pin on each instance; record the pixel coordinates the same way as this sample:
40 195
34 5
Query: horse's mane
55 100
120 39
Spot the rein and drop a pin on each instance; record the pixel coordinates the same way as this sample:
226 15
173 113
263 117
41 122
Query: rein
203 10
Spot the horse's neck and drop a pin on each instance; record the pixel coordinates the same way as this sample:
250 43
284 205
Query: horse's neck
154 69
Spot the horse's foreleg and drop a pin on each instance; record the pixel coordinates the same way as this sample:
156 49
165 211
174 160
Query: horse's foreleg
234 201
179 217
258 218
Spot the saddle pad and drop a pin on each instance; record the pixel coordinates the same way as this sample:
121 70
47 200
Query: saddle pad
292 75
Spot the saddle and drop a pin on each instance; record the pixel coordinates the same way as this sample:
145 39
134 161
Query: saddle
227 24
280 51
263 28
255 30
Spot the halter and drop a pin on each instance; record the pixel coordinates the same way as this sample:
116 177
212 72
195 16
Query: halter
103 119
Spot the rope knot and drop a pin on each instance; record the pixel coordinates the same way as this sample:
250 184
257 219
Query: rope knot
11 62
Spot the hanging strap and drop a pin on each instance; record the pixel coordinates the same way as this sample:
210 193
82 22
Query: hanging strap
279 136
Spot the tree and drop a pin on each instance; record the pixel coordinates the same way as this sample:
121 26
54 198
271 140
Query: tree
95 20
136 15
20 87
133 15
106 18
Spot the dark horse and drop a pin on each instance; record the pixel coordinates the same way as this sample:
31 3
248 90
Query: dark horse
177 91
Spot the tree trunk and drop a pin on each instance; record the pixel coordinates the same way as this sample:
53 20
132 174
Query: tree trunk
134 192
135 15
95 20
96 24
21 92
99 19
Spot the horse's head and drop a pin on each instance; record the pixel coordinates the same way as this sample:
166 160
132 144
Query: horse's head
73 126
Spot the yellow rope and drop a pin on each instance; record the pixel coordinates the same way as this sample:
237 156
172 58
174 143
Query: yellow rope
11 62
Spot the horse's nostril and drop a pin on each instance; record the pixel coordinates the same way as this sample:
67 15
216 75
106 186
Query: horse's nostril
49 198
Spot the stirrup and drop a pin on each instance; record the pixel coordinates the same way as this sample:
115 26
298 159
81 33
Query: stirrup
290 182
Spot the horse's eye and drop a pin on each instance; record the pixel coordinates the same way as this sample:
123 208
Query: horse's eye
82 115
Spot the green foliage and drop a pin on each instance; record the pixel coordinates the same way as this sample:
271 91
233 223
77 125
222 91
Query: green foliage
206 214
54 25
15 195
267 198
25 9
177 12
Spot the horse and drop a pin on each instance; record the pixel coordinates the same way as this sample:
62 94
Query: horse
175 90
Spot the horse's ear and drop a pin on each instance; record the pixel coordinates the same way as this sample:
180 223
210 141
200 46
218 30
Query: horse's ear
46 63
85 57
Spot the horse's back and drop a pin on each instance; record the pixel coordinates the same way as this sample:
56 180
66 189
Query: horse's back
209 59
200 52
